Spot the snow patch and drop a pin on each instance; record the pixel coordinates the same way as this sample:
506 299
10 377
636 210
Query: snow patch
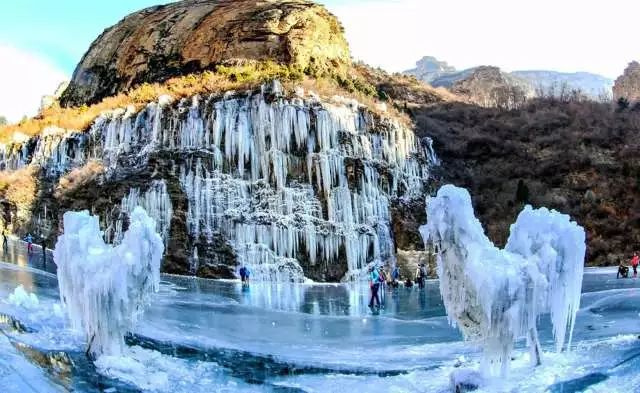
21 298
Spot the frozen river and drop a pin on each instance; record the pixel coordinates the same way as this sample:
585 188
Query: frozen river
203 336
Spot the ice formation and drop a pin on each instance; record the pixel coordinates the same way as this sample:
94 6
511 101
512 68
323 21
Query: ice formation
105 288
21 298
155 201
281 180
496 296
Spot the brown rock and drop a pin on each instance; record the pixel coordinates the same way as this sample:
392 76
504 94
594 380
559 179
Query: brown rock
189 36
628 84
488 87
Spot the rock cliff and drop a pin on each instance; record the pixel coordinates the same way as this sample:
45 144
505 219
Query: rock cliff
188 36
628 84
489 87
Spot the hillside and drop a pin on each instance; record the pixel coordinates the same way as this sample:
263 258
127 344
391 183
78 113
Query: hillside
574 156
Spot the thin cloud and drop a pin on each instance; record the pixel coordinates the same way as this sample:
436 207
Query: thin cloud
24 78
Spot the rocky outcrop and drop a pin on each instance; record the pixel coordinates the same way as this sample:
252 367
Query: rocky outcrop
489 87
628 84
429 69
193 35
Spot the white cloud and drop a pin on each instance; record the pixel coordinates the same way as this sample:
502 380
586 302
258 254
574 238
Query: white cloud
24 79
566 35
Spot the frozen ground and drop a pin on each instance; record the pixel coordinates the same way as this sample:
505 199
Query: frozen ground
202 336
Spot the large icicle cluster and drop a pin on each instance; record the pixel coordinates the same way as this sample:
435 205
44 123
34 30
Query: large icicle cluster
281 180
105 288
155 201
496 296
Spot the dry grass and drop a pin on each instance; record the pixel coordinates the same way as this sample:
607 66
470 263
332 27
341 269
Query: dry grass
225 78
78 177
19 187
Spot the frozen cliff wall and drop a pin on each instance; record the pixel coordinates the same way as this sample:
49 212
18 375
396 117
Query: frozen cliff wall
496 296
291 186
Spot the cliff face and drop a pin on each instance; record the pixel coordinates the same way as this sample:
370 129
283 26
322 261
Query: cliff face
291 186
194 35
628 84
489 87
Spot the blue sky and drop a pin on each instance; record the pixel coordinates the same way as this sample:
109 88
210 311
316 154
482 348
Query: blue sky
61 30
42 40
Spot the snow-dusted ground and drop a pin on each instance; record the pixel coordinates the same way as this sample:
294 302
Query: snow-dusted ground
213 336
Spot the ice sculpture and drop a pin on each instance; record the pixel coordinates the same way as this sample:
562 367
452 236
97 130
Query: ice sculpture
105 288
496 296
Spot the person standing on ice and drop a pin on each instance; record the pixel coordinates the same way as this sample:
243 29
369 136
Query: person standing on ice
421 275
29 240
5 244
382 280
635 260
43 244
395 276
244 275
374 284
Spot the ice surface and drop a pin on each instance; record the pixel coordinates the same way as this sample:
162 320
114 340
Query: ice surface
496 296
408 347
105 288
22 298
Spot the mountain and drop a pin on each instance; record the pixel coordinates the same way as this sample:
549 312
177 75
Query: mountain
429 68
591 84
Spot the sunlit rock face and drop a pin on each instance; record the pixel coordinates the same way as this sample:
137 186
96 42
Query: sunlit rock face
292 187
189 36
627 85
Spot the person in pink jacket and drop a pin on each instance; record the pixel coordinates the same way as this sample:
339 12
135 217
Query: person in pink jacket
635 260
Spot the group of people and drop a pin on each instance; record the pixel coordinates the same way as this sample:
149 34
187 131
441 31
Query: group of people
623 270
378 278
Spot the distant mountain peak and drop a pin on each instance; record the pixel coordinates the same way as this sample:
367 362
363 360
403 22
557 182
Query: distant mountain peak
429 68
439 73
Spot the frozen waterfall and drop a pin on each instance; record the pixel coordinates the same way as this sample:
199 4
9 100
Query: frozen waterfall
286 183
496 296
106 288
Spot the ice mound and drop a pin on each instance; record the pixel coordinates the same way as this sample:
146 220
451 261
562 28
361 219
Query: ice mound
105 288
21 298
496 296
